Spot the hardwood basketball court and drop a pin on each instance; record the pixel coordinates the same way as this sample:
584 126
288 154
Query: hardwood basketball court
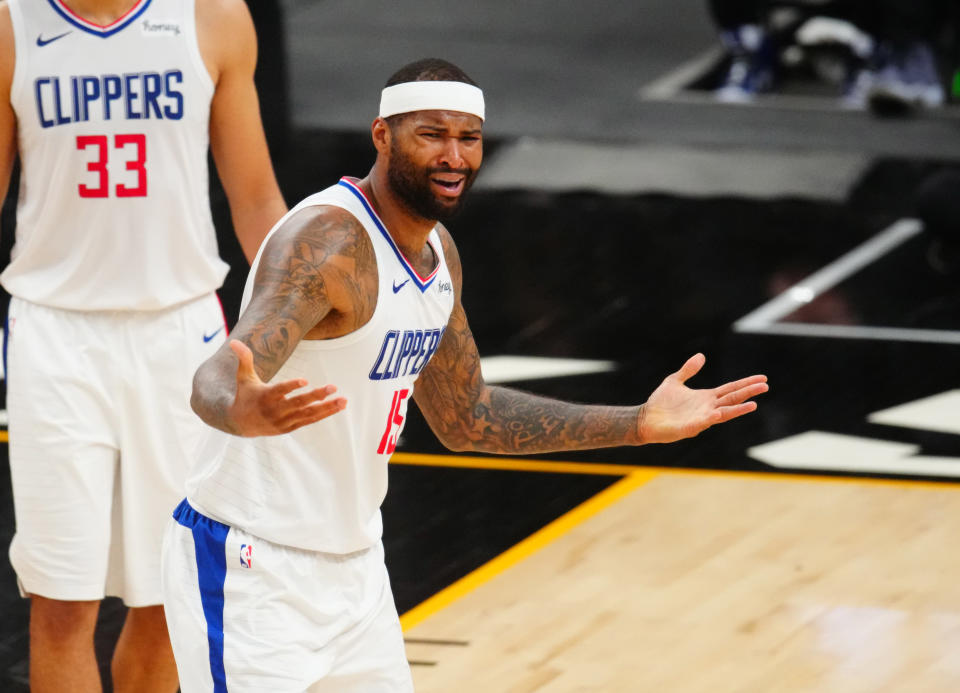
689 581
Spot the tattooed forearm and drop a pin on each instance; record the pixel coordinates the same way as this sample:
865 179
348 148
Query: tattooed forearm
510 421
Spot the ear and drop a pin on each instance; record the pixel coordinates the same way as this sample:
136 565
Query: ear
380 133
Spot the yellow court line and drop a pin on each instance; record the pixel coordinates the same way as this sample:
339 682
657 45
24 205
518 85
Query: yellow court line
525 548
814 478
526 465
513 464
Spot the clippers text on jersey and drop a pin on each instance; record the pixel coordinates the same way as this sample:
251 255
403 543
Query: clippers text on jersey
405 353
130 96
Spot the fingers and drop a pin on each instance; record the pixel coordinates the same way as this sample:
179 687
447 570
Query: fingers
727 413
308 398
742 394
738 384
281 390
691 367
313 413
245 359
268 410
290 413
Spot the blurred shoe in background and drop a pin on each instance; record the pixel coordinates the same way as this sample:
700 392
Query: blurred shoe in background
905 79
753 64
855 95
840 53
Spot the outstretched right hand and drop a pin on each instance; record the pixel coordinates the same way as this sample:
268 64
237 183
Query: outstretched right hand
260 409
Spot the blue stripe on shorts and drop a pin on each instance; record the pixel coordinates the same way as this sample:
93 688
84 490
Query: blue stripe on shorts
209 540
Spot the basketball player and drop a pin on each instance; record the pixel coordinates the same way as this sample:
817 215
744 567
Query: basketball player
111 105
274 560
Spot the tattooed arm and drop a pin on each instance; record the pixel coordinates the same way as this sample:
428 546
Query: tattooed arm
467 414
313 273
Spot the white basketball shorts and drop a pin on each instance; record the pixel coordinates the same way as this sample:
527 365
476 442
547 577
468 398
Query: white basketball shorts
101 432
249 616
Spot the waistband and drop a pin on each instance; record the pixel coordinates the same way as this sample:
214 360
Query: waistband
147 314
190 518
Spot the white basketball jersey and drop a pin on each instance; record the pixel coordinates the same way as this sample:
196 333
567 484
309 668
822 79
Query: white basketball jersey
321 486
112 122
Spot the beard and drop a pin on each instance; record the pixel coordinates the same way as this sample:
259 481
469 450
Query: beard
411 185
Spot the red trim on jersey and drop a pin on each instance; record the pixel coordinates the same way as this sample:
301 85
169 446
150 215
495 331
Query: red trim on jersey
94 24
226 330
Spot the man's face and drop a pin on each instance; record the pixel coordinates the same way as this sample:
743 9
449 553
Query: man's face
434 157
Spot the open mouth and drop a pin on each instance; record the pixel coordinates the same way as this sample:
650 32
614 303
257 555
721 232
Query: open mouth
448 184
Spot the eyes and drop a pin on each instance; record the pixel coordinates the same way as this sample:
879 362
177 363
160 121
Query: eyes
437 136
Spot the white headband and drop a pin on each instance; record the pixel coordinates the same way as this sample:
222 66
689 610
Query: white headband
431 96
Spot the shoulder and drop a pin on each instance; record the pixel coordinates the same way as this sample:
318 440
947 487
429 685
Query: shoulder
323 254
318 234
451 255
225 33
225 14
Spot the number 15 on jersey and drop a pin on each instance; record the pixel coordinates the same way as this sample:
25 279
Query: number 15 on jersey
394 422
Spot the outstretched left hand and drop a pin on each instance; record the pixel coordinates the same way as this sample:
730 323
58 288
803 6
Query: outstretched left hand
674 411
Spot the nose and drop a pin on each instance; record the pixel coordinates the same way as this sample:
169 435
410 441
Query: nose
452 154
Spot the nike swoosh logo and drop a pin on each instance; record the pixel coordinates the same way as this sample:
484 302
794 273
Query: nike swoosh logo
207 338
397 287
43 42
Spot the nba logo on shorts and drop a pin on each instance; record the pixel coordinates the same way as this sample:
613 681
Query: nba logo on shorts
246 555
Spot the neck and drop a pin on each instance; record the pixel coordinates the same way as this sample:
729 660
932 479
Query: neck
101 12
409 230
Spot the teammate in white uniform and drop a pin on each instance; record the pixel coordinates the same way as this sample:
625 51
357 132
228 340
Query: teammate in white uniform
112 106
274 560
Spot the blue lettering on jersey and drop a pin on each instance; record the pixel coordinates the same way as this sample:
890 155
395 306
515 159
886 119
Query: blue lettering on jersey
112 91
61 119
132 96
171 91
38 90
130 85
75 85
90 91
405 353
152 89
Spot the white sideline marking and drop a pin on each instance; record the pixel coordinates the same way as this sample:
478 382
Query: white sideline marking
836 452
668 85
504 369
822 451
939 413
765 319
829 276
